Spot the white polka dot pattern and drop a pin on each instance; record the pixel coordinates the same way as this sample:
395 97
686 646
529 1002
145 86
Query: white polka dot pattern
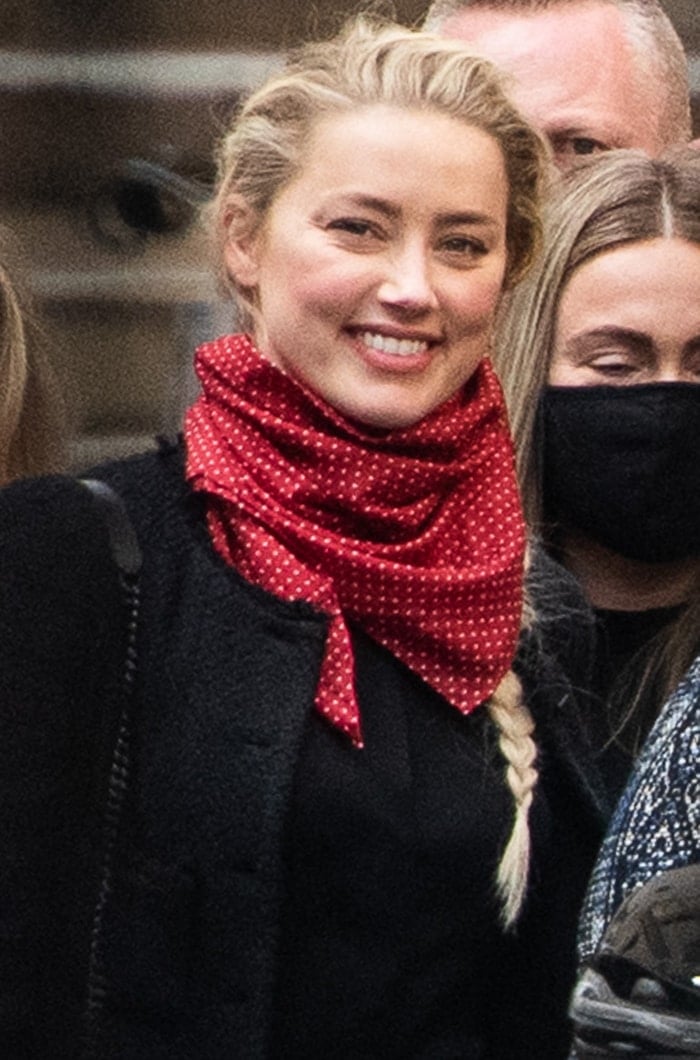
416 534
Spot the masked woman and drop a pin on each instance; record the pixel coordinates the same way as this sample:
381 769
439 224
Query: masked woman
268 778
600 358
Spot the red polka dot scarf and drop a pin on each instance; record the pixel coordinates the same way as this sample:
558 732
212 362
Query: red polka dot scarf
414 534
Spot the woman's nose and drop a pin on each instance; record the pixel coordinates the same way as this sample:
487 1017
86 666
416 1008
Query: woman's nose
672 374
408 282
671 367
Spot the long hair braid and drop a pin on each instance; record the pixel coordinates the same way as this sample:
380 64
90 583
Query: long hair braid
515 728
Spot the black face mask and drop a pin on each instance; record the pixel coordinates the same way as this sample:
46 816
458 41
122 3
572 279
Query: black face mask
622 465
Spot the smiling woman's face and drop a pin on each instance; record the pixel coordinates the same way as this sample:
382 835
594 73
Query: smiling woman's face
631 315
378 270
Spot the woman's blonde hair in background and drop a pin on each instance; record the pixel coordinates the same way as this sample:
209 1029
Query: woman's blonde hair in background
31 412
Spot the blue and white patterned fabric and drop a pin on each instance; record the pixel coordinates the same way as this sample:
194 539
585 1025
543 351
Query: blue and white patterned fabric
656 824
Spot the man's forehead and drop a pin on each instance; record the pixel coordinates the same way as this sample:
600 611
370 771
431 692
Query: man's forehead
512 36
570 68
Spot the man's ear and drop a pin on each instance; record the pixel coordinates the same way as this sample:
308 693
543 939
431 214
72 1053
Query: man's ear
241 241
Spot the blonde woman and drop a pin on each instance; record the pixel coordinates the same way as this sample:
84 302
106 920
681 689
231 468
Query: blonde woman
278 796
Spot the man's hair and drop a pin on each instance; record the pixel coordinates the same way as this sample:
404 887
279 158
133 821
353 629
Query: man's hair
649 31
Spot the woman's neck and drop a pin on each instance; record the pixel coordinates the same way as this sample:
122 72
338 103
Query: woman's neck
617 583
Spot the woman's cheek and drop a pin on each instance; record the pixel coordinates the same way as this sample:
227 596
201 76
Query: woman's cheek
479 303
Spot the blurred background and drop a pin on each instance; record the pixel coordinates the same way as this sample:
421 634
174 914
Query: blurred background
109 114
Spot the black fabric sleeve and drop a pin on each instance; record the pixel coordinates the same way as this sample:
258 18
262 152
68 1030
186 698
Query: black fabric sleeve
62 635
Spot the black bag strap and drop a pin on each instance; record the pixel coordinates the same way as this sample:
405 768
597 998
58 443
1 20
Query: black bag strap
126 553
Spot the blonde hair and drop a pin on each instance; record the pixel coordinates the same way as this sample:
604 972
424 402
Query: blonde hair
650 32
515 727
376 63
373 63
31 438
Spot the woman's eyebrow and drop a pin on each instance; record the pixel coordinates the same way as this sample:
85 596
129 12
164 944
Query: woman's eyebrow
368 202
391 210
467 217
638 340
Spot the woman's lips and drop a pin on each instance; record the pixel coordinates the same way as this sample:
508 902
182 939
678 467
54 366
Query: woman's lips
396 353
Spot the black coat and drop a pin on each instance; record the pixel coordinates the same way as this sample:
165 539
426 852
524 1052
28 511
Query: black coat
141 877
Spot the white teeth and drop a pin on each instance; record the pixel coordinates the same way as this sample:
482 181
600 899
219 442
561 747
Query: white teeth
387 344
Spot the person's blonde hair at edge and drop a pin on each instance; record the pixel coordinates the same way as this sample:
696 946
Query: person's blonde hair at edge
614 200
372 62
31 412
653 37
